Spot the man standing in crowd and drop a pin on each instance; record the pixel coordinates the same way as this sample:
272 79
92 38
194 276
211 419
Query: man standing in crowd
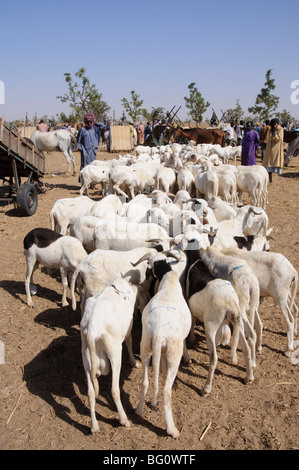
264 136
250 144
88 139
273 160
42 126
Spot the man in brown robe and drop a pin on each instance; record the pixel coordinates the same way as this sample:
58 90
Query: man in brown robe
273 159
264 136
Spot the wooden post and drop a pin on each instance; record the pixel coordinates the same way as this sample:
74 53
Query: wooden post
15 173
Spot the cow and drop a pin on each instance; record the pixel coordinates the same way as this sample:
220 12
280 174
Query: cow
200 136
161 133
55 141
289 136
292 149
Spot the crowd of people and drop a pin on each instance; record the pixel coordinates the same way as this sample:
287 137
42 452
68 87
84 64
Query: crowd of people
270 139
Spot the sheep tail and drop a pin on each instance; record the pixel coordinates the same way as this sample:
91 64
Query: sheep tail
234 319
72 288
157 346
93 368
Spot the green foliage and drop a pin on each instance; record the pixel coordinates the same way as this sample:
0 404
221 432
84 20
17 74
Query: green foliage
133 108
153 115
83 97
233 114
196 104
71 119
285 118
265 103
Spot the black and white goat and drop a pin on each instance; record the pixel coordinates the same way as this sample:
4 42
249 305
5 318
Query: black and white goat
214 303
54 251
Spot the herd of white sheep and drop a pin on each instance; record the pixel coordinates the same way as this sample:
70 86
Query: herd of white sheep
170 240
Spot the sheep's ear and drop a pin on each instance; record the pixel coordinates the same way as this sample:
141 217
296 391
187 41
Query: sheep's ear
184 244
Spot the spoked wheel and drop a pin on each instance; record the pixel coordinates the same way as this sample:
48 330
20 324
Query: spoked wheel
27 199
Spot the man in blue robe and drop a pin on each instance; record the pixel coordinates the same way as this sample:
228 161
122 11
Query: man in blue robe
250 144
88 139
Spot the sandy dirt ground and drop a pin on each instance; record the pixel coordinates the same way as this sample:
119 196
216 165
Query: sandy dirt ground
43 393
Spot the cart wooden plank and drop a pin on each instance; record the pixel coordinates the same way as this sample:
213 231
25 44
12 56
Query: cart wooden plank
28 159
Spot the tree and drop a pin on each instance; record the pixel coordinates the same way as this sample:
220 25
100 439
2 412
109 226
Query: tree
196 103
266 102
83 97
233 114
71 119
157 113
133 108
285 118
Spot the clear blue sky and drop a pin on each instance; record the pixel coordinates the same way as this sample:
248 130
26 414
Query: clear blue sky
156 48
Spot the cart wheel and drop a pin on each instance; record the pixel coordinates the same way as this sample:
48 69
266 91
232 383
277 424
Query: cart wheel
27 198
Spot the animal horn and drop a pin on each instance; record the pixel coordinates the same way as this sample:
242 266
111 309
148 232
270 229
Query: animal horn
143 258
171 255
252 209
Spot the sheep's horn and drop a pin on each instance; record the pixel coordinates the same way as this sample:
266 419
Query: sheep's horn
143 258
171 255
252 209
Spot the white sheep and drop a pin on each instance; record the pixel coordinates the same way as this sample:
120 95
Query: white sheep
101 266
278 279
133 178
123 235
109 203
185 179
65 211
214 302
165 179
222 209
94 174
166 322
52 250
249 221
106 323
206 181
227 188
253 180
240 275
83 229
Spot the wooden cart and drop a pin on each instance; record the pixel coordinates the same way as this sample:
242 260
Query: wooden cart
19 158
